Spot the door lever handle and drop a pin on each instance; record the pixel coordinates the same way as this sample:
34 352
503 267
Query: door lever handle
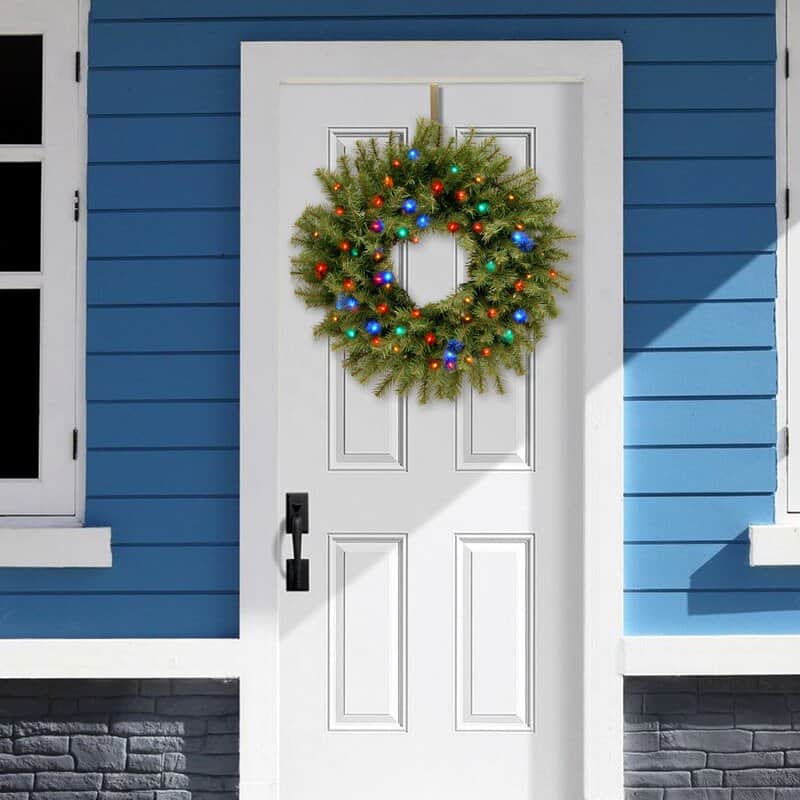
297 525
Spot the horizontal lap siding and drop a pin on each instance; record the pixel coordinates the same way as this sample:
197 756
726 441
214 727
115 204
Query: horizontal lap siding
163 291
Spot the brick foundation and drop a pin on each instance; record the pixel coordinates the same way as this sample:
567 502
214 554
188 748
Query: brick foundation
119 740
712 738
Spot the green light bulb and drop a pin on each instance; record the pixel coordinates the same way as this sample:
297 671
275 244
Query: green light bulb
402 233
351 333
508 336
400 330
455 169
482 207
491 266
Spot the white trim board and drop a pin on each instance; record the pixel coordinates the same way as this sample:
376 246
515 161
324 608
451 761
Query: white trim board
55 547
119 658
597 66
711 655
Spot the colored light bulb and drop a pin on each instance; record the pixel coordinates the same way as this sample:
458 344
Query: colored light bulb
377 201
400 330
508 336
423 220
351 303
402 233
460 195
409 205
413 154
491 313
339 211
491 266
430 338
372 326
337 186
482 207
376 226
416 313
477 227
351 333
320 268
455 169
387 276
437 187
453 226
520 316
347 284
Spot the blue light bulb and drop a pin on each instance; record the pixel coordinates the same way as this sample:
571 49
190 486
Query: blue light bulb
517 237
520 316
351 303
423 221
372 327
413 154
341 301
409 205
388 277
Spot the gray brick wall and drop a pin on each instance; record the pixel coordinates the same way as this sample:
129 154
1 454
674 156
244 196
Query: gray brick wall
712 738
119 740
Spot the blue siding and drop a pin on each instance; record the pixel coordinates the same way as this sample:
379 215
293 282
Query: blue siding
163 290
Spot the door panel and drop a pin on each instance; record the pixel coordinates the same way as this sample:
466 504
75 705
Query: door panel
418 664
494 632
364 433
367 633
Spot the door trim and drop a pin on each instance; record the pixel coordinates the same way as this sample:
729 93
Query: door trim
597 66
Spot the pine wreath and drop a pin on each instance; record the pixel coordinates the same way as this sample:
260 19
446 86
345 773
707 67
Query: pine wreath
392 193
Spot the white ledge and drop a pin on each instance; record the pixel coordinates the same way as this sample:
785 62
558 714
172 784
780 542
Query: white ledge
711 655
774 545
120 658
55 547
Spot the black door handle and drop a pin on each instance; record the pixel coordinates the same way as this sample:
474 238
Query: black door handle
297 525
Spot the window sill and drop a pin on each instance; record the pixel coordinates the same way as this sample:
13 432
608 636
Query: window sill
774 545
55 547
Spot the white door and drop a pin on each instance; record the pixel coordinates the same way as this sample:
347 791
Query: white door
437 653
462 632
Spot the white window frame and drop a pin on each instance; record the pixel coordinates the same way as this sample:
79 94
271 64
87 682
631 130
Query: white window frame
57 497
787 495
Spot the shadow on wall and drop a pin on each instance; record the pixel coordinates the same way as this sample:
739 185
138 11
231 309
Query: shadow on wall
144 739
758 588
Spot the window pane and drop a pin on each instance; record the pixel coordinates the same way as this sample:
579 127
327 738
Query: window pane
21 211
21 79
19 398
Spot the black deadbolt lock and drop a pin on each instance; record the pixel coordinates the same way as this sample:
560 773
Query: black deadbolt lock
297 525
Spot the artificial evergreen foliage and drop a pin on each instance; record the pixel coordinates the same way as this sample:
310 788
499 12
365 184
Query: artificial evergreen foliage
396 193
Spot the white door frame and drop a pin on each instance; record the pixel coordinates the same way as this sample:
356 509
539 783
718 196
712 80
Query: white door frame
597 66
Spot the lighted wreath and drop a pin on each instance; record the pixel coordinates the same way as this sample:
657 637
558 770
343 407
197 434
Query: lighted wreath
395 194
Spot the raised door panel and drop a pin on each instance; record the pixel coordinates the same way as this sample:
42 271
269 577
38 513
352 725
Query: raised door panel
496 431
494 632
364 432
367 632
